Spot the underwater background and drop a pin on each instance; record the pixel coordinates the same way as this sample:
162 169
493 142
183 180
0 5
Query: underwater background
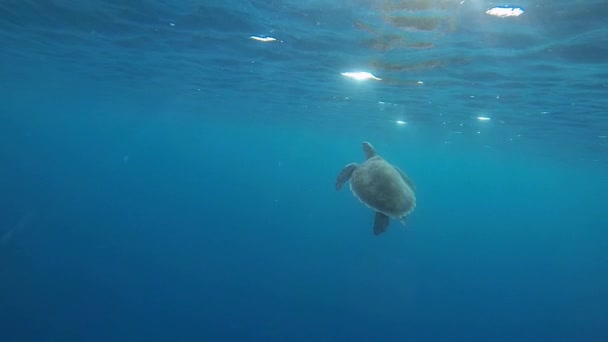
167 170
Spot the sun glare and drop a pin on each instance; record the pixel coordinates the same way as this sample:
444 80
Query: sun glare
503 12
361 76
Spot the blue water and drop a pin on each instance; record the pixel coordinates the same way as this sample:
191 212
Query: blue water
164 177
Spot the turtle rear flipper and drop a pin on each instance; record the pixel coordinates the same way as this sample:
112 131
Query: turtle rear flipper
345 174
381 222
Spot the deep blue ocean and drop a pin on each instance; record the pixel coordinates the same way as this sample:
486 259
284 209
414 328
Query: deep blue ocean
167 170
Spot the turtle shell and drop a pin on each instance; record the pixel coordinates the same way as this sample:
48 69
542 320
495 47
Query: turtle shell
380 186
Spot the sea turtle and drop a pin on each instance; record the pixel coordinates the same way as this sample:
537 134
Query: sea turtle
380 186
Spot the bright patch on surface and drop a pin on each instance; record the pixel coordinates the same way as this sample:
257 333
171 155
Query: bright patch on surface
503 12
263 39
483 118
399 122
361 75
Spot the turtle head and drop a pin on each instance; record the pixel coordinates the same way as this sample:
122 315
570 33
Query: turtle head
369 150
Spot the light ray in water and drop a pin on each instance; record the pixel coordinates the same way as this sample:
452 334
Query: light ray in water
24 221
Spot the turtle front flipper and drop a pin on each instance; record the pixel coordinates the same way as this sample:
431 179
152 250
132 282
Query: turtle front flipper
369 150
345 174
381 222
